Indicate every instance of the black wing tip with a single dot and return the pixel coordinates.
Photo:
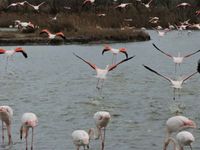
(198, 66)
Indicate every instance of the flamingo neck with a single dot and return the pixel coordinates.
(93, 134)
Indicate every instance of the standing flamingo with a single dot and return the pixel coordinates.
(29, 120)
(6, 114)
(10, 53)
(176, 59)
(114, 51)
(102, 119)
(81, 138)
(101, 73)
(176, 84)
(175, 124)
(183, 138)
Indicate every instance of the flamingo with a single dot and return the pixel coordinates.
(36, 7)
(147, 5)
(102, 119)
(176, 59)
(29, 120)
(197, 12)
(175, 124)
(88, 2)
(176, 84)
(6, 114)
(24, 25)
(101, 73)
(114, 51)
(183, 138)
(81, 138)
(17, 4)
(53, 36)
(10, 53)
(183, 5)
(123, 5)
(161, 32)
(154, 20)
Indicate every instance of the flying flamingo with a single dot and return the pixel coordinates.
(176, 84)
(101, 73)
(81, 138)
(123, 5)
(102, 119)
(183, 138)
(183, 5)
(175, 124)
(88, 2)
(36, 7)
(114, 51)
(29, 120)
(176, 59)
(10, 53)
(53, 36)
(6, 114)
(147, 5)
(17, 4)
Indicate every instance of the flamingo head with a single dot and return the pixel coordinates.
(189, 124)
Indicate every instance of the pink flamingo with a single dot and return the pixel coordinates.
(114, 51)
(183, 138)
(81, 138)
(36, 7)
(176, 84)
(176, 59)
(183, 5)
(17, 4)
(123, 5)
(29, 120)
(101, 73)
(51, 35)
(6, 114)
(175, 124)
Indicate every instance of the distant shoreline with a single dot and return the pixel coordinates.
(11, 38)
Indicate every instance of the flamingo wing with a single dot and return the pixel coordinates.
(41, 4)
(61, 35)
(190, 76)
(45, 31)
(191, 54)
(2, 51)
(162, 51)
(115, 65)
(106, 48)
(157, 73)
(91, 65)
(20, 50)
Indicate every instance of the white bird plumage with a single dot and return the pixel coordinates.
(6, 114)
(29, 120)
(80, 138)
(176, 124)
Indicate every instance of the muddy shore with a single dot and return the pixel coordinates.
(18, 38)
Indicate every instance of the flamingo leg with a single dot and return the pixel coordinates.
(174, 94)
(32, 140)
(97, 86)
(9, 134)
(6, 64)
(103, 140)
(26, 137)
(2, 132)
(101, 86)
(166, 144)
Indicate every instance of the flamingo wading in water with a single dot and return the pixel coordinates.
(175, 124)
(102, 119)
(81, 138)
(114, 51)
(101, 73)
(29, 120)
(176, 84)
(176, 59)
(6, 114)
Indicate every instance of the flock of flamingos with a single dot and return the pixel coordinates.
(176, 124)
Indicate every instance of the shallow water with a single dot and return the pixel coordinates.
(60, 90)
